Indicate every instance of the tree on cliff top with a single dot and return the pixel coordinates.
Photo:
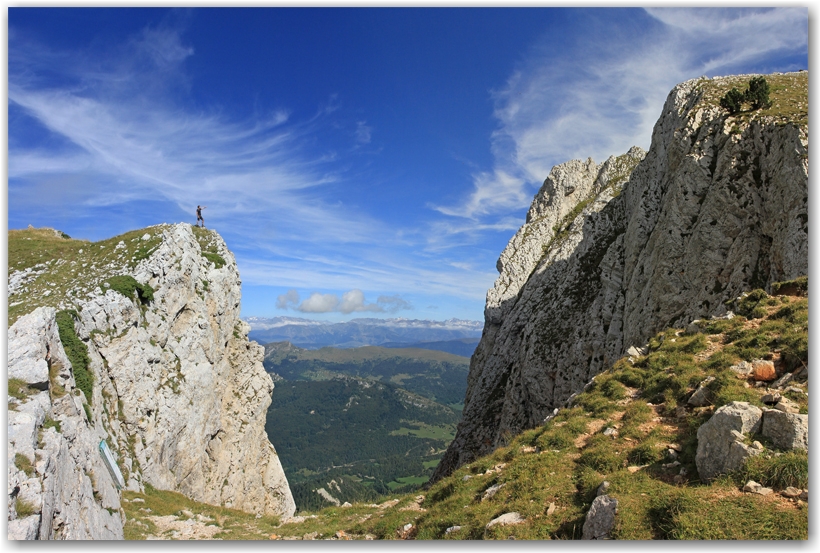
(757, 95)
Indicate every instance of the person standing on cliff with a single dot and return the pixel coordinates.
(199, 215)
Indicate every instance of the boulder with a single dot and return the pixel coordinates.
(787, 406)
(506, 519)
(753, 487)
(763, 371)
(720, 439)
(791, 492)
(771, 399)
(600, 519)
(28, 347)
(744, 368)
(491, 491)
(783, 380)
(786, 430)
(703, 395)
(635, 351)
(693, 327)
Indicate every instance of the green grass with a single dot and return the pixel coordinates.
(19, 389)
(24, 508)
(570, 461)
(788, 95)
(233, 524)
(407, 480)
(77, 353)
(776, 471)
(70, 269)
(214, 258)
(24, 463)
(51, 423)
(130, 288)
(436, 432)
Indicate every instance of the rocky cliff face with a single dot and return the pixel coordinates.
(611, 254)
(180, 394)
(58, 486)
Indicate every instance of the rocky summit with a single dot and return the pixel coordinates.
(610, 254)
(136, 355)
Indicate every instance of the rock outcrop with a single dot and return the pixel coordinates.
(611, 254)
(722, 446)
(600, 519)
(58, 486)
(180, 394)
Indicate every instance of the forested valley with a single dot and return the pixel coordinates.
(356, 424)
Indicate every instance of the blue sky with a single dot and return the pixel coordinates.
(358, 162)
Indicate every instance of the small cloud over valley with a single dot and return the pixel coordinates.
(352, 301)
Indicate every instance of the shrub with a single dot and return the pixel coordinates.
(214, 258)
(77, 352)
(732, 101)
(758, 93)
(128, 285)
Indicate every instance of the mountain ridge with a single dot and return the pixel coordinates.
(613, 253)
(359, 332)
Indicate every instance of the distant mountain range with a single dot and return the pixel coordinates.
(399, 332)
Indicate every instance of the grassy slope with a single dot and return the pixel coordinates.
(70, 269)
(788, 93)
(562, 463)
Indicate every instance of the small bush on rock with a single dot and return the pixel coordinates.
(128, 285)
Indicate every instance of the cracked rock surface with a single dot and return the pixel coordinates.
(610, 254)
(180, 395)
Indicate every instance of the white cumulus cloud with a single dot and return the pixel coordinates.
(352, 301)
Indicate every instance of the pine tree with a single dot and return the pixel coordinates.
(758, 93)
(732, 101)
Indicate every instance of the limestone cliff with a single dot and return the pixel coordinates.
(611, 254)
(179, 393)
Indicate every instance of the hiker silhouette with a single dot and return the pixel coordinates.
(199, 215)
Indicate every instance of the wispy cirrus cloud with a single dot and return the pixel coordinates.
(132, 141)
(601, 93)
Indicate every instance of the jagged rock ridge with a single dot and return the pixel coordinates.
(180, 394)
(611, 254)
